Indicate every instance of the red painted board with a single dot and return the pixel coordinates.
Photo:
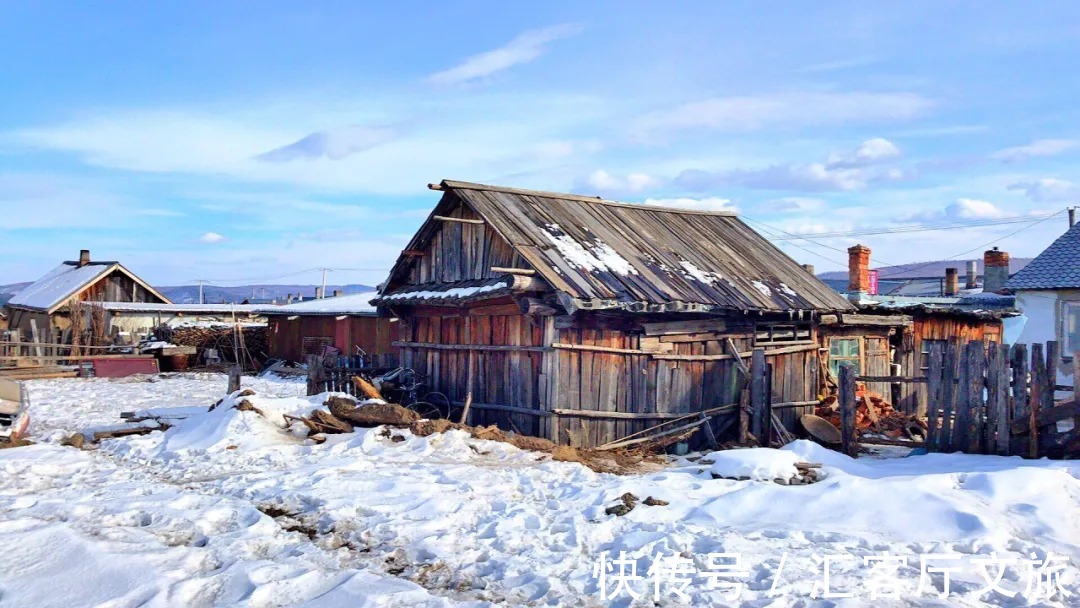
(122, 368)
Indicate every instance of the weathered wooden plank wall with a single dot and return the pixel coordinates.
(373, 334)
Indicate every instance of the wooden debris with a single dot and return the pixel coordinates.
(627, 502)
(366, 388)
(655, 502)
(372, 414)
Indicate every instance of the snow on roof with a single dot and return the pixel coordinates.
(355, 304)
(60, 285)
(185, 308)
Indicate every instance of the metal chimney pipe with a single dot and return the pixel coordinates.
(952, 281)
(972, 275)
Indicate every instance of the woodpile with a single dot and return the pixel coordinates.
(875, 416)
(251, 342)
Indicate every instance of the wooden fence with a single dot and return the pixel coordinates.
(986, 398)
(334, 374)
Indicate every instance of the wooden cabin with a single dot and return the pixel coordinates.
(583, 320)
(348, 325)
(45, 305)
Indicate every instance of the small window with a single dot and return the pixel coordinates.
(924, 352)
(1070, 327)
(842, 351)
(779, 333)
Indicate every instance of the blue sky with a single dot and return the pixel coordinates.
(243, 142)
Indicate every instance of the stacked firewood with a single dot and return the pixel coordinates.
(875, 416)
(251, 341)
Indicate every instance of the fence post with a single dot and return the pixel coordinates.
(1019, 363)
(234, 379)
(993, 395)
(1076, 376)
(977, 363)
(961, 428)
(1038, 394)
(933, 396)
(948, 395)
(316, 376)
(848, 441)
(758, 379)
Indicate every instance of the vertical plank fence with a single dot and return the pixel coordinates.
(988, 398)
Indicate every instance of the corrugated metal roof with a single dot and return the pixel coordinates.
(184, 308)
(1058, 267)
(620, 255)
(354, 304)
(60, 284)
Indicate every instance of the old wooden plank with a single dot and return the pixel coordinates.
(684, 327)
(950, 367)
(849, 441)
(1020, 396)
(598, 348)
(1039, 389)
(961, 431)
(758, 395)
(463, 347)
(897, 379)
(934, 396)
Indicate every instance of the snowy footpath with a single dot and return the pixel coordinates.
(233, 508)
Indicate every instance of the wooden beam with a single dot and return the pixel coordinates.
(899, 379)
(536, 307)
(528, 272)
(684, 327)
(504, 408)
(462, 220)
(527, 283)
(848, 438)
(487, 347)
(598, 349)
(413, 253)
(876, 320)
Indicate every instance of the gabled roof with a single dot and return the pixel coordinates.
(606, 254)
(355, 304)
(1058, 267)
(67, 280)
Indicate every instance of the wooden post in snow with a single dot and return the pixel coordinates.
(933, 397)
(848, 441)
(758, 399)
(234, 379)
(315, 375)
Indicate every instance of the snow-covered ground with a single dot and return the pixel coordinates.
(229, 508)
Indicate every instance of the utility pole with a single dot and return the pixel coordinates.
(201, 281)
(322, 294)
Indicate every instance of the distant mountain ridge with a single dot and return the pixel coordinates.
(214, 294)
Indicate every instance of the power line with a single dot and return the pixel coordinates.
(922, 228)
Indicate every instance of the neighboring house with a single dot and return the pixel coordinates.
(139, 318)
(1048, 293)
(583, 320)
(344, 323)
(46, 302)
(929, 279)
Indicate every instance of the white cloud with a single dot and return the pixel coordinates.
(211, 238)
(793, 204)
(790, 110)
(846, 171)
(962, 209)
(334, 144)
(526, 47)
(633, 182)
(1040, 147)
(1049, 190)
(712, 203)
(871, 151)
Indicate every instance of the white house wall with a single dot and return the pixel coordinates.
(1043, 311)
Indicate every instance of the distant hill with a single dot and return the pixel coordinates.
(213, 294)
(925, 270)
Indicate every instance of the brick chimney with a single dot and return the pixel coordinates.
(808, 268)
(952, 281)
(995, 270)
(858, 272)
(338, 293)
(972, 275)
(84, 257)
(318, 293)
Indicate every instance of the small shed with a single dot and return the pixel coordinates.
(45, 304)
(139, 318)
(349, 324)
(583, 320)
